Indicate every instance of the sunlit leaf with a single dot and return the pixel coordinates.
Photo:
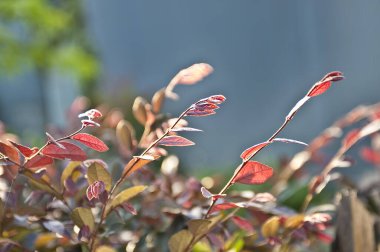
(324, 84)
(180, 241)
(196, 112)
(319, 88)
(148, 157)
(71, 152)
(185, 129)
(251, 151)
(139, 111)
(133, 165)
(370, 128)
(270, 227)
(175, 141)
(38, 161)
(158, 100)
(124, 196)
(194, 73)
(286, 140)
(97, 172)
(24, 150)
(10, 152)
(296, 107)
(351, 138)
(91, 141)
(83, 216)
(125, 134)
(253, 172)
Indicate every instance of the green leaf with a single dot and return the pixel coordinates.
(42, 184)
(97, 172)
(180, 242)
(124, 196)
(201, 246)
(199, 227)
(83, 216)
(68, 171)
(235, 243)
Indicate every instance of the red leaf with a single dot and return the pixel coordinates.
(251, 151)
(351, 138)
(223, 206)
(319, 88)
(216, 99)
(71, 152)
(175, 141)
(24, 150)
(205, 106)
(242, 223)
(196, 112)
(129, 208)
(91, 141)
(333, 76)
(9, 152)
(324, 237)
(253, 173)
(38, 161)
(370, 155)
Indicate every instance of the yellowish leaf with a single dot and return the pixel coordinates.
(67, 172)
(180, 242)
(294, 222)
(83, 216)
(124, 196)
(97, 172)
(271, 226)
(104, 248)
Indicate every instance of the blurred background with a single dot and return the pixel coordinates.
(266, 55)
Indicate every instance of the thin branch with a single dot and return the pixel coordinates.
(123, 177)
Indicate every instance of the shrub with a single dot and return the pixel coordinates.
(60, 200)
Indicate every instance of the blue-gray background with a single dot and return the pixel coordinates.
(266, 55)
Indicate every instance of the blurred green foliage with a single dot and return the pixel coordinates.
(46, 35)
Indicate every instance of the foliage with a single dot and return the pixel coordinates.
(57, 197)
(45, 34)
